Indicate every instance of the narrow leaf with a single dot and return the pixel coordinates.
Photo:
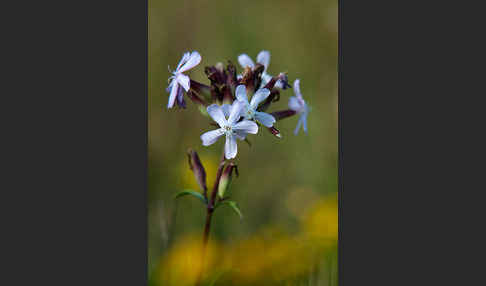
(192, 193)
(233, 205)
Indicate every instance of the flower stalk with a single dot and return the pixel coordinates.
(209, 215)
(237, 103)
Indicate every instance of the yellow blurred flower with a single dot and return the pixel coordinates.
(181, 265)
(270, 256)
(320, 223)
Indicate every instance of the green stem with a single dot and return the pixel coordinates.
(207, 229)
(209, 215)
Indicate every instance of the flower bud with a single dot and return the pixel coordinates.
(274, 131)
(197, 168)
(196, 99)
(246, 77)
(231, 80)
(258, 70)
(227, 95)
(251, 78)
(283, 114)
(225, 179)
(215, 75)
(284, 80)
(271, 83)
(219, 66)
(201, 90)
(257, 76)
(216, 95)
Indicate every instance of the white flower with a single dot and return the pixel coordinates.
(264, 59)
(249, 111)
(178, 80)
(298, 104)
(229, 127)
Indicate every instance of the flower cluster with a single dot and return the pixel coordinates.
(226, 101)
(238, 103)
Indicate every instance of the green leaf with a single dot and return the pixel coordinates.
(233, 205)
(192, 193)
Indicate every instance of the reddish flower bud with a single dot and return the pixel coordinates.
(196, 99)
(197, 168)
(227, 95)
(281, 79)
(220, 67)
(252, 77)
(283, 114)
(257, 76)
(274, 131)
(271, 83)
(215, 75)
(202, 90)
(247, 78)
(231, 79)
(216, 95)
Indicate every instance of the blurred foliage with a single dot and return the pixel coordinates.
(287, 188)
(268, 257)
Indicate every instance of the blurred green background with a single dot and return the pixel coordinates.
(287, 188)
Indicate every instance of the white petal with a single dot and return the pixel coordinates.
(169, 88)
(264, 59)
(216, 112)
(258, 97)
(279, 84)
(245, 61)
(265, 118)
(235, 112)
(246, 126)
(184, 59)
(297, 88)
(240, 135)
(304, 119)
(226, 109)
(173, 94)
(210, 137)
(294, 103)
(194, 60)
(298, 126)
(184, 81)
(239, 76)
(230, 147)
(265, 79)
(240, 93)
